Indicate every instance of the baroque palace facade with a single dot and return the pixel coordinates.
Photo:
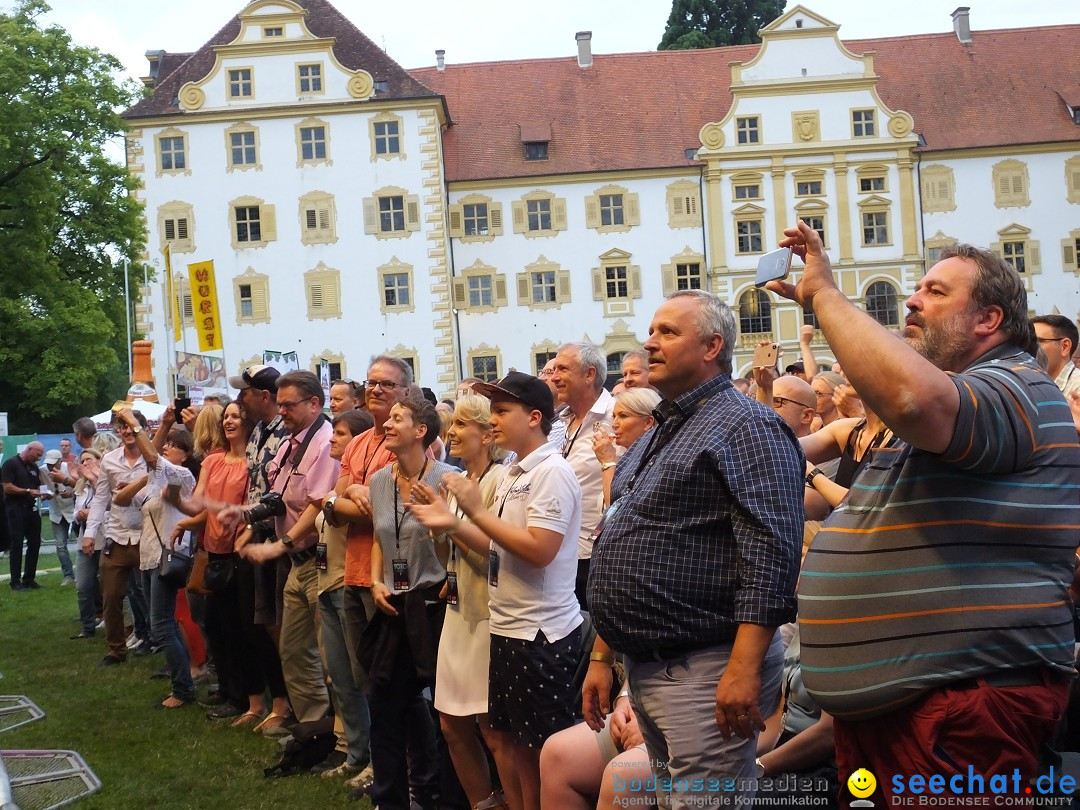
(472, 217)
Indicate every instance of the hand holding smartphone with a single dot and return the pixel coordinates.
(766, 355)
(773, 266)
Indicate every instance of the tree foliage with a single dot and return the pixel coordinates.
(67, 222)
(712, 23)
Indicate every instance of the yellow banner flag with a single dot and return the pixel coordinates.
(204, 305)
(174, 294)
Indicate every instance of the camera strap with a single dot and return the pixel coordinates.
(298, 455)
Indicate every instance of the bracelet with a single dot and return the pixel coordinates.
(375, 582)
(607, 465)
(603, 657)
(810, 476)
(624, 693)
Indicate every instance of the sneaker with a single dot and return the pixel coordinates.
(67, 581)
(361, 782)
(224, 712)
(110, 661)
(342, 771)
(212, 700)
(333, 760)
(132, 641)
(100, 625)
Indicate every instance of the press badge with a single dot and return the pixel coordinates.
(451, 588)
(320, 556)
(493, 568)
(401, 574)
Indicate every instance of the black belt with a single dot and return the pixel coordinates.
(301, 557)
(662, 654)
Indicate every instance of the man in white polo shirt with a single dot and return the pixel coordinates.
(530, 535)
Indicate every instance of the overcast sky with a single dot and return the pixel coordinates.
(486, 30)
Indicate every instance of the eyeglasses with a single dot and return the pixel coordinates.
(353, 384)
(288, 406)
(545, 373)
(778, 402)
(385, 385)
(1049, 340)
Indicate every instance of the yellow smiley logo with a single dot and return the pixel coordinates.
(861, 783)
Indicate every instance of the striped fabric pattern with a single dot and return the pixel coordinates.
(944, 567)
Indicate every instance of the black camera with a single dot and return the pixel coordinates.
(270, 505)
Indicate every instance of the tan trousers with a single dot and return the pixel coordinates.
(301, 663)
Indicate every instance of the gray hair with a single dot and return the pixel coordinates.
(396, 362)
(831, 378)
(640, 354)
(641, 401)
(84, 426)
(714, 318)
(590, 356)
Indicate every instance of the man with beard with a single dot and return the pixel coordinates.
(936, 625)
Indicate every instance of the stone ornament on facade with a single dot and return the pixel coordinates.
(191, 97)
(805, 126)
(901, 124)
(361, 85)
(712, 136)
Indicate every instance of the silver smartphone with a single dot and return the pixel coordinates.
(773, 266)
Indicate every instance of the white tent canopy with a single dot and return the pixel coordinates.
(151, 410)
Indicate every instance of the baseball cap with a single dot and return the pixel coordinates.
(52, 456)
(263, 378)
(529, 390)
(796, 366)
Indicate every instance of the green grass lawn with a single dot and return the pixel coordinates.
(146, 757)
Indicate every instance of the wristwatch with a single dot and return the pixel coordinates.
(607, 465)
(328, 510)
(759, 768)
(286, 541)
(135, 431)
(810, 476)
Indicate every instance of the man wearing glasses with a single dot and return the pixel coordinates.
(1057, 336)
(302, 473)
(346, 395)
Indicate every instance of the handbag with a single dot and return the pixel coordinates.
(197, 580)
(175, 566)
(219, 573)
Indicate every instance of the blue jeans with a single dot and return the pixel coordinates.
(675, 705)
(61, 532)
(86, 589)
(166, 633)
(351, 702)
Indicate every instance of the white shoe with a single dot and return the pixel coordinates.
(132, 641)
(362, 779)
(67, 581)
(100, 625)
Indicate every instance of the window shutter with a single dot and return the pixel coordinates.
(181, 228)
(634, 282)
(599, 287)
(524, 291)
(1075, 177)
(558, 215)
(170, 229)
(691, 204)
(311, 221)
(592, 211)
(268, 222)
(315, 294)
(1017, 184)
(518, 208)
(633, 212)
(331, 304)
(1033, 257)
(562, 280)
(495, 226)
(412, 212)
(457, 229)
(188, 309)
(371, 216)
(667, 279)
(258, 302)
(499, 299)
(324, 217)
(1003, 185)
(1068, 254)
(461, 293)
(677, 207)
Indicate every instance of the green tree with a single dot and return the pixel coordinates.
(712, 23)
(67, 222)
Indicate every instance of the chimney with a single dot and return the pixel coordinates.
(440, 59)
(961, 23)
(584, 48)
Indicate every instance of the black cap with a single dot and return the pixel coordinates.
(796, 366)
(529, 390)
(264, 378)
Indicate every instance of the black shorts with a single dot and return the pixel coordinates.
(531, 689)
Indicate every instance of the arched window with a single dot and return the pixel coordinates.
(755, 312)
(882, 303)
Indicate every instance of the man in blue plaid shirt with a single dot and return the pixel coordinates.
(697, 562)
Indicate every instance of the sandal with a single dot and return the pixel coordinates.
(272, 725)
(247, 719)
(173, 702)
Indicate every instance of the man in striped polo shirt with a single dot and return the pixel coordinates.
(936, 626)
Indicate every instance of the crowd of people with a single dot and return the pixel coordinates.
(721, 584)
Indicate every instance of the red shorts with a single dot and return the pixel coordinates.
(993, 729)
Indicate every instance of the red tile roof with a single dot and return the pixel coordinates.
(643, 110)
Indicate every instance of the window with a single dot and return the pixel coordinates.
(755, 313)
(685, 272)
(317, 214)
(276, 31)
(747, 191)
(808, 188)
(395, 287)
(544, 284)
(1010, 184)
(313, 142)
(883, 303)
(241, 84)
(536, 150)
(935, 245)
(938, 189)
(616, 282)
(475, 218)
(1013, 252)
(323, 286)
(251, 293)
(541, 359)
(1016, 246)
(171, 145)
(385, 131)
(875, 228)
(253, 223)
(611, 209)
(862, 123)
(817, 223)
(479, 289)
(810, 319)
(539, 213)
(176, 227)
(392, 213)
(183, 303)
(683, 204)
(485, 367)
(242, 147)
(748, 236)
(748, 130)
(309, 79)
(872, 179)
(1070, 252)
(1072, 179)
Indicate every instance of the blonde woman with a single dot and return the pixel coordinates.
(89, 554)
(630, 418)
